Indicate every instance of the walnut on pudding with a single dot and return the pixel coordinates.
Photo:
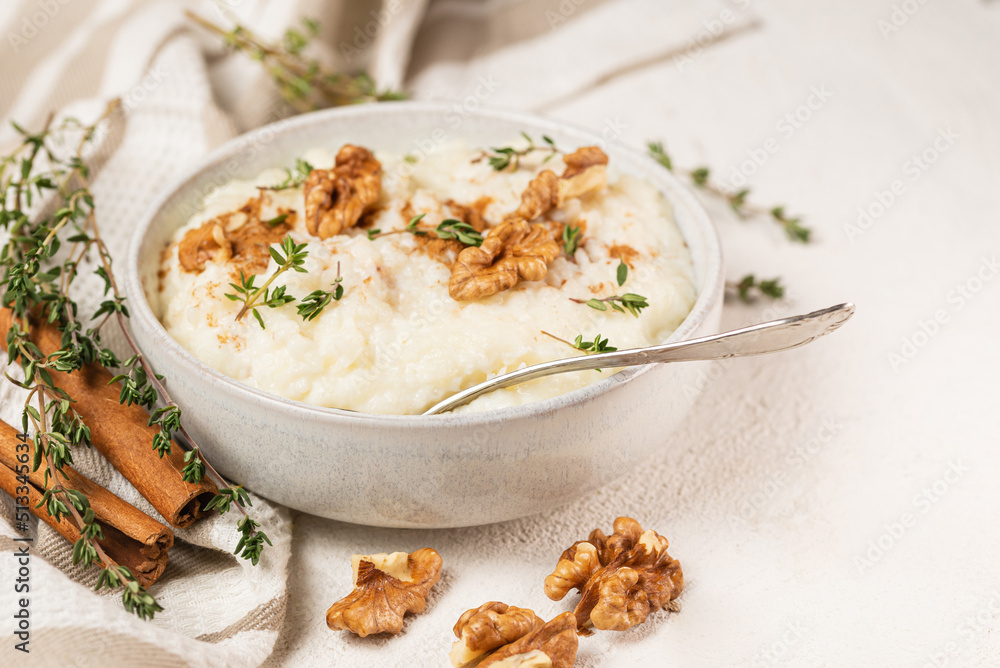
(585, 172)
(621, 578)
(512, 251)
(387, 586)
(335, 199)
(517, 249)
(203, 244)
(240, 237)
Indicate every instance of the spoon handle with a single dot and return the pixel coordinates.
(767, 337)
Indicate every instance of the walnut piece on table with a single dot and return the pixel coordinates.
(621, 578)
(335, 199)
(585, 172)
(387, 586)
(552, 645)
(512, 251)
(488, 627)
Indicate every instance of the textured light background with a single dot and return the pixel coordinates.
(833, 505)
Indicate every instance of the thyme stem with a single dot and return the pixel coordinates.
(305, 84)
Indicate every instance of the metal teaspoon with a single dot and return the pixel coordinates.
(767, 337)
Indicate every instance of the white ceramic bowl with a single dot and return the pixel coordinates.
(416, 471)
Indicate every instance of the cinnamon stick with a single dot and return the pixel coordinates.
(131, 538)
(122, 433)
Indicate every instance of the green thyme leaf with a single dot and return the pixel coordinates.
(571, 239)
(277, 220)
(500, 158)
(738, 200)
(293, 177)
(456, 229)
(749, 288)
(313, 304)
(658, 153)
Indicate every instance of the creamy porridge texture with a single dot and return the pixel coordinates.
(422, 317)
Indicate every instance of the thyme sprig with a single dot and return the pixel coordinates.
(737, 200)
(502, 158)
(598, 345)
(305, 83)
(36, 283)
(412, 227)
(628, 302)
(414, 222)
(313, 304)
(225, 498)
(571, 239)
(456, 229)
(293, 179)
(450, 228)
(135, 385)
(289, 256)
(136, 600)
(749, 288)
(251, 542)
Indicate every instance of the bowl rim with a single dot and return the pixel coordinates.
(142, 314)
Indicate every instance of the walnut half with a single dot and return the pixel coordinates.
(514, 250)
(387, 586)
(488, 627)
(552, 645)
(586, 172)
(511, 637)
(202, 244)
(237, 237)
(336, 198)
(621, 578)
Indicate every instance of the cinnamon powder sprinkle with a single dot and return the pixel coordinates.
(626, 254)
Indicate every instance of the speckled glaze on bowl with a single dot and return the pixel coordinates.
(416, 471)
